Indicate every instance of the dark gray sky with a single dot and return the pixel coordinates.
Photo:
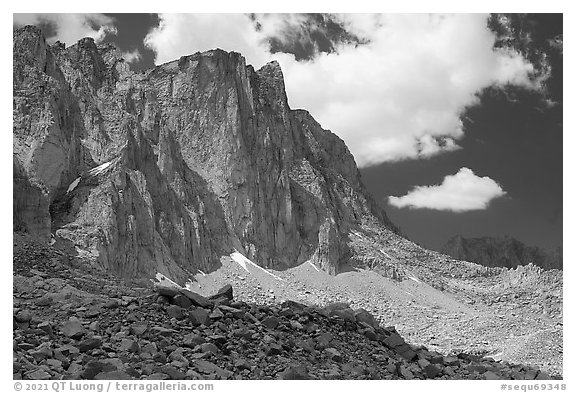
(519, 145)
(512, 135)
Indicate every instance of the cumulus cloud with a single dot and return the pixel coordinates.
(461, 192)
(132, 56)
(183, 34)
(398, 96)
(69, 28)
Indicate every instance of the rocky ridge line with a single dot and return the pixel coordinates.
(501, 252)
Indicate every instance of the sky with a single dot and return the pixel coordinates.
(454, 120)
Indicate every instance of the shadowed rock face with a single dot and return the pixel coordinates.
(169, 169)
(501, 252)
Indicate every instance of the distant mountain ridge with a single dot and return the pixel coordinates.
(501, 252)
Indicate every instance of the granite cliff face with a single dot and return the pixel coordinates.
(169, 169)
(501, 252)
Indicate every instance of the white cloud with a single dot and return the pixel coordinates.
(69, 28)
(133, 56)
(183, 34)
(461, 192)
(398, 97)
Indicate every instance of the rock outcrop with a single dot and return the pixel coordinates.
(169, 169)
(501, 252)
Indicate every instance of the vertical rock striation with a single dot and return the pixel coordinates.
(169, 169)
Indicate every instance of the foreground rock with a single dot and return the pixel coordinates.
(141, 337)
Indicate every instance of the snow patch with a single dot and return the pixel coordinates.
(73, 185)
(314, 266)
(414, 279)
(240, 259)
(160, 277)
(245, 262)
(99, 169)
(386, 254)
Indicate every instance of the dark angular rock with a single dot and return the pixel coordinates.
(271, 322)
(333, 354)
(38, 375)
(94, 368)
(542, 376)
(236, 312)
(364, 316)
(182, 301)
(23, 316)
(273, 349)
(150, 348)
(69, 350)
(111, 375)
(192, 340)
(409, 354)
(172, 372)
(298, 372)
(218, 338)
(226, 291)
(207, 367)
(307, 345)
(43, 351)
(112, 303)
(196, 299)
(393, 341)
(242, 364)
(167, 289)
(423, 363)
(73, 328)
(251, 318)
(89, 344)
(129, 345)
(346, 314)
(54, 364)
(46, 327)
(451, 361)
(476, 368)
(517, 375)
(491, 375)
(199, 316)
(324, 339)
(405, 373)
(138, 328)
(370, 334)
(209, 347)
(162, 331)
(175, 311)
(432, 371)
(216, 314)
(158, 377)
(436, 359)
(296, 325)
(244, 333)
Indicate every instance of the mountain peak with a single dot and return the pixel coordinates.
(208, 157)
